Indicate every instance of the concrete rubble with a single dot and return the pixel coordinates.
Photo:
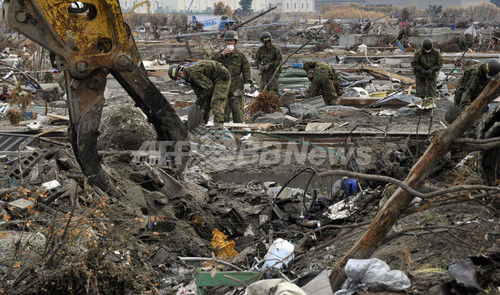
(255, 183)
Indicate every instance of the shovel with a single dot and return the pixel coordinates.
(194, 117)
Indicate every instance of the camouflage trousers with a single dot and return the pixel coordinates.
(235, 105)
(217, 101)
(322, 85)
(426, 86)
(265, 78)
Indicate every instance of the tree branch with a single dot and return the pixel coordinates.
(400, 199)
(404, 186)
(470, 144)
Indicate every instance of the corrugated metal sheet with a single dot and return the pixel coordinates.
(11, 141)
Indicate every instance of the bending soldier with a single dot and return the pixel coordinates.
(324, 81)
(268, 58)
(210, 81)
(237, 64)
(471, 84)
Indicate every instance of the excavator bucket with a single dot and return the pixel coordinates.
(90, 39)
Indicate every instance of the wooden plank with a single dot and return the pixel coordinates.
(57, 117)
(387, 74)
(317, 127)
(359, 101)
(158, 72)
(182, 104)
(253, 126)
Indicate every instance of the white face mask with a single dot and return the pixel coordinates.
(428, 50)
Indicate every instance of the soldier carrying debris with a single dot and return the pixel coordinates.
(268, 58)
(426, 64)
(237, 63)
(210, 81)
(324, 81)
(471, 84)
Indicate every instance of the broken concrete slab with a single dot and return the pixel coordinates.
(137, 196)
(289, 121)
(20, 206)
(65, 163)
(161, 257)
(273, 118)
(12, 241)
(287, 192)
(157, 197)
(405, 112)
(303, 111)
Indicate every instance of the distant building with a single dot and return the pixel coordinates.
(421, 4)
(182, 6)
(293, 5)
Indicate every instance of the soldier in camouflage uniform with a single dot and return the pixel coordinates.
(268, 58)
(237, 64)
(210, 81)
(474, 80)
(426, 64)
(324, 81)
(470, 85)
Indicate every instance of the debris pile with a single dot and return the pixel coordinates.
(374, 194)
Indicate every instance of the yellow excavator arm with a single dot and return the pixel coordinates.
(140, 4)
(90, 40)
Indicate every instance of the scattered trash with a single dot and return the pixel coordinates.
(373, 274)
(224, 249)
(279, 254)
(274, 287)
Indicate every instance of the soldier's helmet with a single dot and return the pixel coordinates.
(307, 65)
(427, 45)
(173, 71)
(231, 35)
(265, 37)
(493, 67)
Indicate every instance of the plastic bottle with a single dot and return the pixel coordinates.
(278, 251)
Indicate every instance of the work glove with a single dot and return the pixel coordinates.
(246, 87)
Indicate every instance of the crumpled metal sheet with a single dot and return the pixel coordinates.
(399, 96)
(12, 141)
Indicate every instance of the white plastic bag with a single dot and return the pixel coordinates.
(372, 275)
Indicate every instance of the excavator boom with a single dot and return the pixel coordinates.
(90, 40)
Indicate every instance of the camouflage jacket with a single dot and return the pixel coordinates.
(203, 74)
(471, 84)
(314, 68)
(271, 55)
(238, 66)
(423, 61)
